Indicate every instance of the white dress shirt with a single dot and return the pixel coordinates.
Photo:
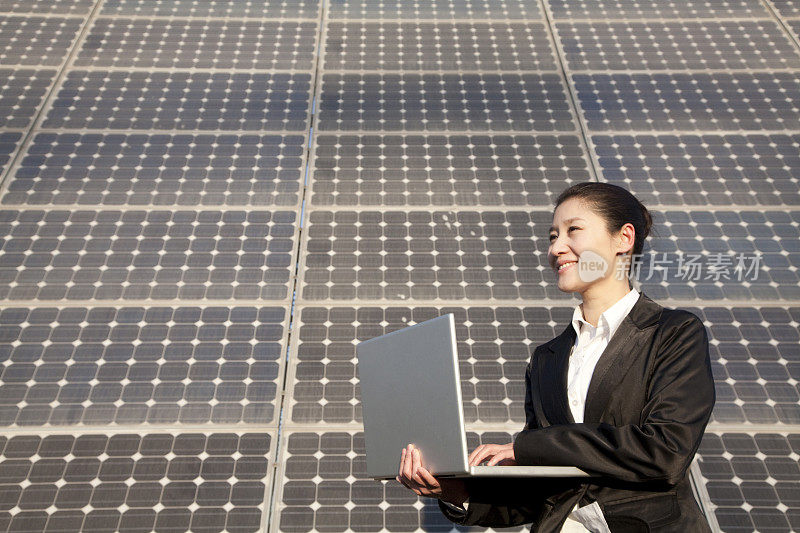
(590, 342)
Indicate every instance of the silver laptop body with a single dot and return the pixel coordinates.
(411, 393)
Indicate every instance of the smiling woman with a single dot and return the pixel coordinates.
(623, 393)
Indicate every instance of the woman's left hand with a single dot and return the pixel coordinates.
(497, 454)
(413, 476)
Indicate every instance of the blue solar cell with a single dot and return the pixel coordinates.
(66, 7)
(219, 8)
(433, 102)
(700, 170)
(146, 255)
(435, 9)
(389, 45)
(632, 9)
(650, 45)
(94, 481)
(47, 39)
(723, 101)
(200, 43)
(750, 481)
(100, 169)
(22, 93)
(181, 100)
(414, 170)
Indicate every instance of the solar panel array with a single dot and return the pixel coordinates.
(204, 206)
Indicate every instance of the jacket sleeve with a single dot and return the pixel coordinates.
(503, 502)
(495, 514)
(680, 398)
(530, 414)
(506, 502)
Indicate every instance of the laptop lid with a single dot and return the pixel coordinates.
(410, 393)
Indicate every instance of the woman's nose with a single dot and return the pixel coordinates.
(557, 246)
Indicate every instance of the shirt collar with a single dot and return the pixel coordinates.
(611, 318)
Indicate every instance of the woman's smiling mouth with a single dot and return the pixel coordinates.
(565, 266)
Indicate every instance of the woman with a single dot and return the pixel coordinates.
(624, 393)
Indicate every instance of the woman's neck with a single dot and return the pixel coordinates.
(597, 299)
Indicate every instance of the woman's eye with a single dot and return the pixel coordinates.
(570, 229)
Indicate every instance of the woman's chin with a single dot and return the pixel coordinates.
(567, 286)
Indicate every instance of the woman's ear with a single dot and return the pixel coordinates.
(626, 238)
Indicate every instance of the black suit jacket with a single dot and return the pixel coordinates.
(648, 404)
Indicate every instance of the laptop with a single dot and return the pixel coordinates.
(411, 393)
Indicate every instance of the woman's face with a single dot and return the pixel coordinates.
(582, 252)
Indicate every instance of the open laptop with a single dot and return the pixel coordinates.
(411, 393)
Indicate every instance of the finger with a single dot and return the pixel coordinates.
(474, 453)
(407, 465)
(417, 460)
(485, 453)
(477, 456)
(404, 482)
(486, 450)
(497, 458)
(402, 462)
(410, 485)
(402, 469)
(431, 482)
(418, 477)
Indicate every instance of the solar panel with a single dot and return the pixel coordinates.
(70, 7)
(494, 345)
(181, 101)
(21, 93)
(676, 45)
(631, 9)
(754, 354)
(322, 485)
(444, 102)
(695, 170)
(458, 46)
(751, 479)
(144, 169)
(109, 255)
(207, 204)
(158, 43)
(755, 361)
(691, 102)
(371, 255)
(130, 481)
(9, 141)
(454, 170)
(135, 365)
(491, 254)
(218, 8)
(439, 9)
(787, 8)
(47, 39)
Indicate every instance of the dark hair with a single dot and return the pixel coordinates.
(615, 205)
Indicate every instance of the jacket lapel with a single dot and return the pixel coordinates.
(628, 340)
(553, 372)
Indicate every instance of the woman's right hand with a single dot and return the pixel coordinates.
(416, 478)
(494, 454)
